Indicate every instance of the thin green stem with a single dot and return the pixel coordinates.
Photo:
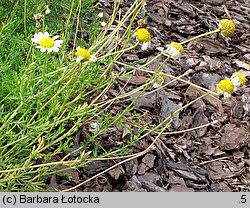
(12, 115)
(171, 76)
(24, 18)
(157, 73)
(200, 36)
(121, 51)
(44, 70)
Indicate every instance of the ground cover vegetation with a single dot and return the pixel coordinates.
(71, 93)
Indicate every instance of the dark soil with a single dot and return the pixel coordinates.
(210, 159)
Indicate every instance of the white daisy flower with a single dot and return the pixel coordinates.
(143, 36)
(175, 50)
(47, 43)
(84, 54)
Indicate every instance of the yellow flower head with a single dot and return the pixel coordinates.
(238, 79)
(225, 87)
(84, 54)
(175, 50)
(227, 27)
(177, 46)
(143, 35)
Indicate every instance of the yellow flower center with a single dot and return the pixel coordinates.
(143, 35)
(226, 86)
(177, 46)
(227, 27)
(85, 54)
(46, 42)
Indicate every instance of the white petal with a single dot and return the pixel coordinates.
(46, 35)
(55, 37)
(78, 47)
(55, 49)
(226, 95)
(47, 11)
(50, 49)
(37, 37)
(219, 91)
(79, 58)
(92, 58)
(236, 81)
(156, 85)
(160, 48)
(58, 42)
(103, 24)
(100, 14)
(42, 49)
(145, 46)
(175, 54)
(35, 40)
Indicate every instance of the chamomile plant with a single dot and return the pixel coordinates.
(143, 36)
(46, 43)
(84, 55)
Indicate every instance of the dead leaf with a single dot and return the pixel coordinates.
(246, 102)
(204, 79)
(151, 187)
(149, 160)
(234, 138)
(213, 64)
(166, 107)
(217, 170)
(237, 109)
(116, 172)
(72, 172)
(242, 64)
(220, 187)
(199, 119)
(174, 180)
(187, 171)
(147, 101)
(142, 168)
(136, 80)
(235, 121)
(210, 46)
(194, 92)
(53, 182)
(238, 155)
(181, 188)
(131, 167)
(126, 134)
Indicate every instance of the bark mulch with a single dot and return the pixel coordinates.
(210, 159)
